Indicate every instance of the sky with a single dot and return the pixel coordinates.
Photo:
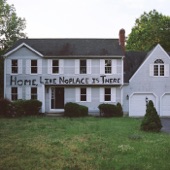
(83, 18)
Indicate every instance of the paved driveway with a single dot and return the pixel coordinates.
(165, 124)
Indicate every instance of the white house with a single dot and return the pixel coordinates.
(146, 78)
(57, 71)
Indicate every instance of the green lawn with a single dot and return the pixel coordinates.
(45, 143)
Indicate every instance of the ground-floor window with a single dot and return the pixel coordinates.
(83, 94)
(33, 92)
(107, 94)
(14, 93)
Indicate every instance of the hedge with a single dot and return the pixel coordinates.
(75, 110)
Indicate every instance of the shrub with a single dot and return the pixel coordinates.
(7, 108)
(151, 121)
(32, 107)
(19, 107)
(110, 110)
(75, 110)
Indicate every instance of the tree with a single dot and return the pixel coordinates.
(150, 29)
(11, 29)
(151, 121)
(11, 26)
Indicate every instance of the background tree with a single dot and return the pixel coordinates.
(11, 29)
(150, 29)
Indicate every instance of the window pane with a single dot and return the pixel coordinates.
(33, 93)
(14, 93)
(55, 66)
(107, 96)
(155, 70)
(108, 66)
(55, 63)
(14, 66)
(161, 70)
(33, 66)
(83, 66)
(83, 94)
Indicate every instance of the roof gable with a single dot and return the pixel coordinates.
(20, 46)
(145, 59)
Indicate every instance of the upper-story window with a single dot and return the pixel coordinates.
(108, 66)
(14, 64)
(34, 68)
(159, 68)
(83, 66)
(55, 66)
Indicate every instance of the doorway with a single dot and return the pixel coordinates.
(57, 98)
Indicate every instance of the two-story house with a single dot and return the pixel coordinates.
(57, 71)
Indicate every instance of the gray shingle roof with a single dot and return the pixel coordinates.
(66, 47)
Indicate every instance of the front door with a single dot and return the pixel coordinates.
(57, 98)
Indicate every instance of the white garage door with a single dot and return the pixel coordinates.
(165, 105)
(137, 103)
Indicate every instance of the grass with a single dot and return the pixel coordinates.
(90, 143)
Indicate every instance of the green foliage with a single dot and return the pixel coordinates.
(110, 110)
(11, 26)
(150, 29)
(1, 77)
(75, 110)
(151, 121)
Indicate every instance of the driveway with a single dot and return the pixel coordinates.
(165, 124)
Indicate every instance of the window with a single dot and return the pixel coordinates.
(83, 66)
(107, 94)
(158, 68)
(33, 92)
(108, 66)
(83, 96)
(55, 66)
(34, 66)
(14, 93)
(14, 66)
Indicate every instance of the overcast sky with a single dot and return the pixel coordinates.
(83, 18)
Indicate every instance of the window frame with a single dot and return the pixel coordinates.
(108, 66)
(159, 68)
(106, 94)
(83, 66)
(83, 94)
(34, 94)
(13, 66)
(14, 93)
(34, 68)
(57, 67)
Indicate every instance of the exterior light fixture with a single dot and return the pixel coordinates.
(127, 97)
(146, 100)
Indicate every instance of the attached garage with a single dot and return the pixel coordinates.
(165, 105)
(137, 103)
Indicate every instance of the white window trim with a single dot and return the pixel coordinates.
(166, 70)
(88, 94)
(113, 95)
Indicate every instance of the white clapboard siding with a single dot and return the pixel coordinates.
(102, 66)
(166, 70)
(89, 94)
(113, 94)
(49, 67)
(28, 66)
(114, 66)
(77, 66)
(20, 66)
(61, 66)
(8, 66)
(101, 94)
(89, 66)
(28, 93)
(40, 66)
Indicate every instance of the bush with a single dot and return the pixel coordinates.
(32, 107)
(7, 108)
(19, 107)
(75, 110)
(110, 110)
(151, 121)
